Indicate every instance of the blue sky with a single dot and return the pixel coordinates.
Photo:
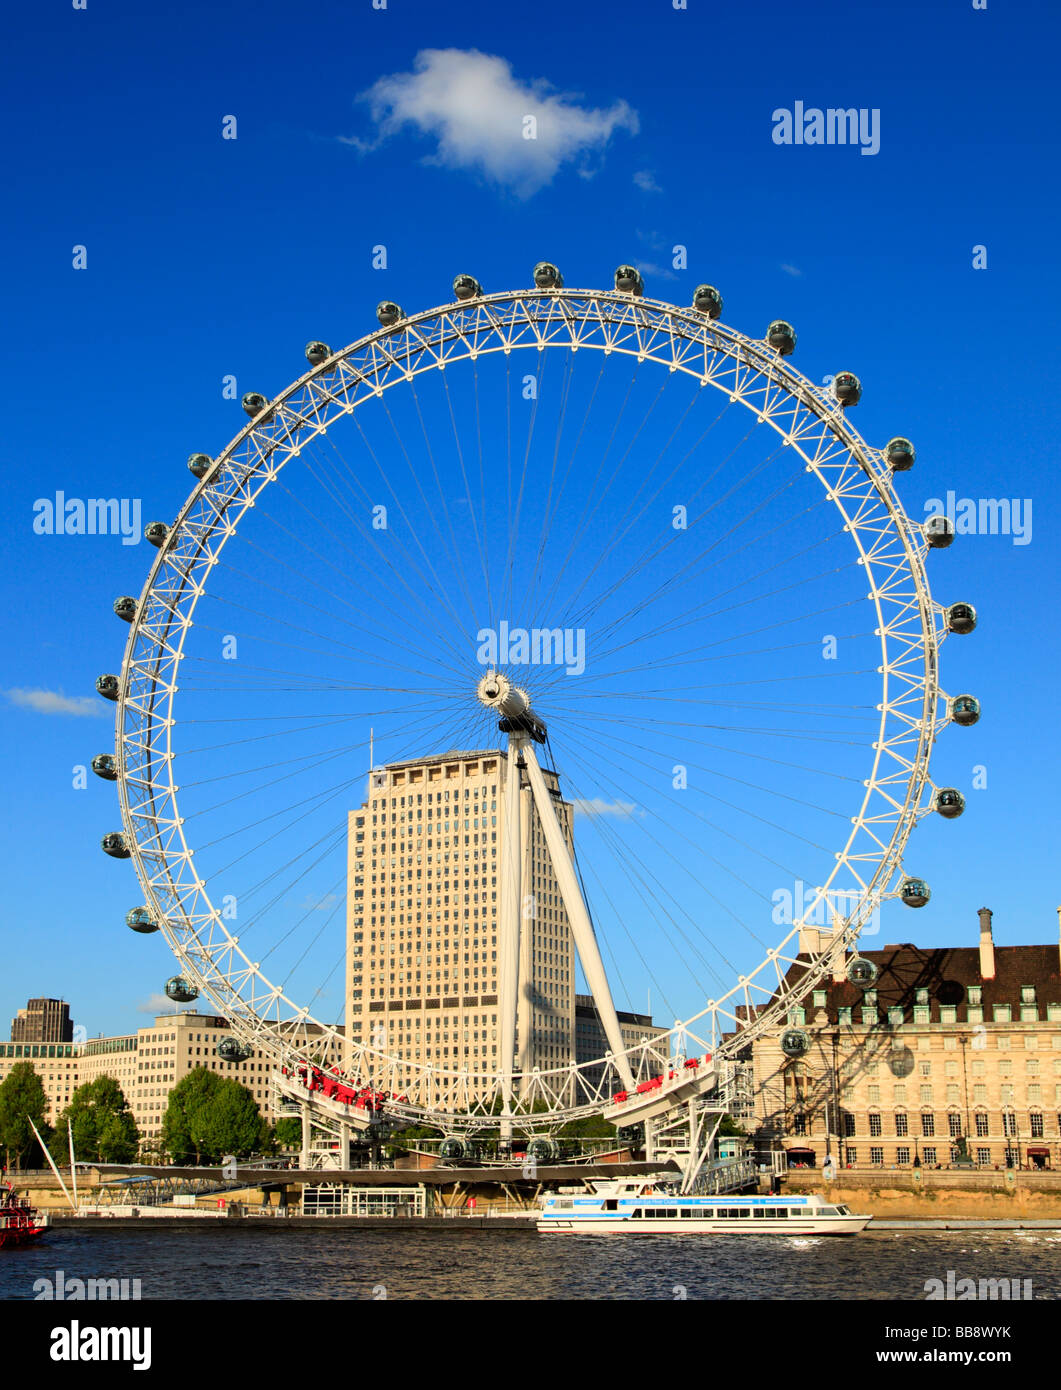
(208, 257)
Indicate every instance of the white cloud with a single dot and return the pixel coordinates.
(477, 111)
(595, 806)
(155, 1004)
(55, 702)
(792, 270)
(646, 181)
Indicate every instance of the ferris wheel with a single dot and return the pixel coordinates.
(636, 554)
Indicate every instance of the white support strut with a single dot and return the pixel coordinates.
(581, 926)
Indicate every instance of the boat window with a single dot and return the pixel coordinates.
(781, 1213)
(689, 1214)
(637, 1213)
(760, 1211)
(843, 1211)
(611, 1204)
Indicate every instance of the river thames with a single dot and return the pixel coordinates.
(268, 1262)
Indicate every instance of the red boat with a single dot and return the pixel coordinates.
(19, 1222)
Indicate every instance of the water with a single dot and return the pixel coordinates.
(267, 1262)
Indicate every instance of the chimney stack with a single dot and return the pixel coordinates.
(987, 945)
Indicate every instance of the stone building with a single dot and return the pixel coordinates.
(945, 1045)
(422, 920)
(43, 1020)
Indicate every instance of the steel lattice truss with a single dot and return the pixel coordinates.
(854, 477)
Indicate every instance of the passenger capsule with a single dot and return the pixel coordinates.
(861, 972)
(466, 287)
(794, 1042)
(965, 710)
(199, 464)
(157, 533)
(547, 276)
(316, 353)
(543, 1150)
(960, 617)
(451, 1150)
(109, 687)
(949, 803)
(707, 300)
(782, 337)
(181, 990)
(254, 403)
(914, 892)
(628, 280)
(234, 1050)
(388, 312)
(847, 389)
(125, 608)
(114, 844)
(939, 531)
(106, 766)
(139, 919)
(899, 454)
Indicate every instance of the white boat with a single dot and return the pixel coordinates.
(645, 1208)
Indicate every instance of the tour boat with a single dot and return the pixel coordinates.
(19, 1222)
(649, 1209)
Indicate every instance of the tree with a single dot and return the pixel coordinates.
(103, 1126)
(209, 1117)
(22, 1099)
(287, 1133)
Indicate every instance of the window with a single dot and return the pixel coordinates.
(922, 1013)
(820, 998)
(1009, 1123)
(1037, 1125)
(1012, 1158)
(876, 1156)
(928, 1126)
(799, 1124)
(852, 1154)
(974, 994)
(1003, 1014)
(844, 1015)
(921, 996)
(948, 1014)
(902, 1125)
(982, 1127)
(1027, 994)
(849, 1124)
(929, 1156)
(902, 1155)
(954, 1124)
(896, 1017)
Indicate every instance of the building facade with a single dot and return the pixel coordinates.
(591, 1043)
(146, 1064)
(43, 1020)
(945, 1046)
(422, 920)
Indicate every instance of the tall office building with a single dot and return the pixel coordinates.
(422, 921)
(43, 1020)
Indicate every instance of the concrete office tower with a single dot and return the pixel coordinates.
(423, 898)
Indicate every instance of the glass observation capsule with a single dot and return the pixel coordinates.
(949, 802)
(707, 300)
(914, 892)
(543, 1150)
(108, 686)
(847, 388)
(114, 845)
(628, 280)
(156, 532)
(105, 765)
(199, 464)
(180, 990)
(466, 287)
(388, 312)
(782, 337)
(233, 1050)
(794, 1042)
(254, 404)
(547, 276)
(451, 1149)
(899, 454)
(317, 352)
(139, 919)
(960, 617)
(965, 710)
(125, 608)
(939, 531)
(861, 972)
